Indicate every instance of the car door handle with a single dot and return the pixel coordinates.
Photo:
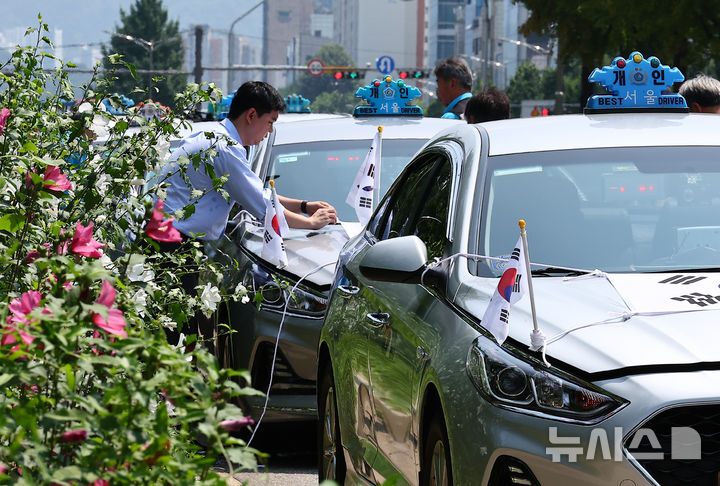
(348, 290)
(379, 319)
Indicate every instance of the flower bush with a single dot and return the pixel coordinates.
(90, 390)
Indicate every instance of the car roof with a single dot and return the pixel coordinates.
(565, 132)
(346, 127)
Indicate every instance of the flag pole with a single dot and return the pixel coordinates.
(523, 235)
(379, 149)
(537, 338)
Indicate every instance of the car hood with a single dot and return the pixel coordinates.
(306, 249)
(615, 321)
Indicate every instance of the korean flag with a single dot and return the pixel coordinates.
(367, 181)
(511, 288)
(275, 226)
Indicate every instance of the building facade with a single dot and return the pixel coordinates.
(373, 29)
(284, 22)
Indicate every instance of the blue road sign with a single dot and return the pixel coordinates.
(385, 64)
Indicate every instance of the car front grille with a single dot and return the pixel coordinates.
(676, 450)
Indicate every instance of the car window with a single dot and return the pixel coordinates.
(419, 204)
(325, 170)
(620, 209)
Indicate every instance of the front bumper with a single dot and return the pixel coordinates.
(636, 446)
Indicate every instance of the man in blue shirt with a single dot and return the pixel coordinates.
(454, 82)
(253, 111)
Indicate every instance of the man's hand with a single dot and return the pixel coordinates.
(313, 206)
(320, 216)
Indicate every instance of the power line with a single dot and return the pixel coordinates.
(64, 46)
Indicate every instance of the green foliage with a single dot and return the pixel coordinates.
(92, 393)
(436, 109)
(525, 85)
(681, 33)
(158, 46)
(335, 102)
(311, 87)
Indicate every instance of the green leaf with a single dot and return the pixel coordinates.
(4, 378)
(29, 147)
(69, 472)
(70, 376)
(12, 222)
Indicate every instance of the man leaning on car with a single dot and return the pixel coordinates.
(253, 111)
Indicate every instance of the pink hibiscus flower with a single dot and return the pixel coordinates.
(4, 115)
(83, 244)
(115, 323)
(160, 230)
(20, 308)
(74, 436)
(54, 180)
(237, 424)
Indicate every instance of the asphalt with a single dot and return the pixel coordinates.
(292, 457)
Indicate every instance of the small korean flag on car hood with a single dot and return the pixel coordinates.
(367, 181)
(275, 226)
(511, 288)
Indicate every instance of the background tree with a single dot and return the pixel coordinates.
(681, 33)
(158, 46)
(526, 84)
(340, 91)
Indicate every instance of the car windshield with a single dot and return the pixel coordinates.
(644, 209)
(324, 171)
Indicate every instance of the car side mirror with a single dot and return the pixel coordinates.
(401, 260)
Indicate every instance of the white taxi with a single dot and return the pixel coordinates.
(440, 361)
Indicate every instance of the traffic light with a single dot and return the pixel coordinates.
(419, 74)
(403, 74)
(346, 75)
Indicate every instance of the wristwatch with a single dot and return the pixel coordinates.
(303, 207)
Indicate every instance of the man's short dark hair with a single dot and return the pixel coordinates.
(255, 94)
(455, 68)
(702, 89)
(490, 104)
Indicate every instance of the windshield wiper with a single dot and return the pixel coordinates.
(557, 271)
(687, 270)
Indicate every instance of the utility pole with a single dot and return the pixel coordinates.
(198, 71)
(486, 72)
(232, 45)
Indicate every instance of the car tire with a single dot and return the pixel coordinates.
(331, 460)
(436, 467)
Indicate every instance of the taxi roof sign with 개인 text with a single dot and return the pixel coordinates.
(636, 84)
(296, 104)
(388, 98)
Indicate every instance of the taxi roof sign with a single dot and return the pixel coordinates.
(296, 103)
(388, 98)
(636, 84)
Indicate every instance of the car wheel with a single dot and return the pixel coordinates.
(331, 461)
(436, 466)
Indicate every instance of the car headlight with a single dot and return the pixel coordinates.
(511, 382)
(275, 295)
(276, 291)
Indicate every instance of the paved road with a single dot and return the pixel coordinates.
(293, 460)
